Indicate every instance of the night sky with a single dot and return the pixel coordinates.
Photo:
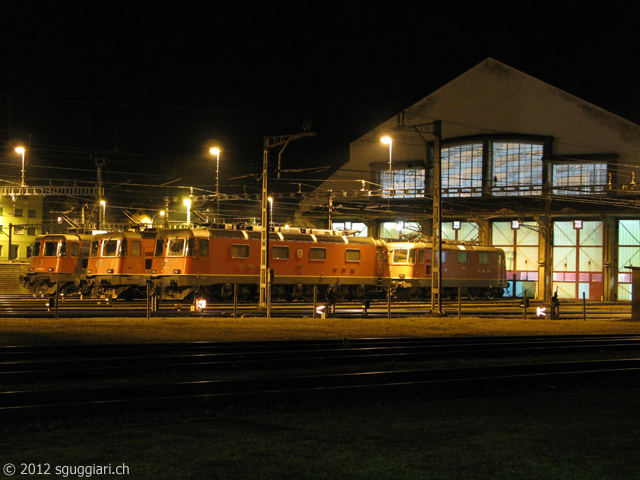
(150, 87)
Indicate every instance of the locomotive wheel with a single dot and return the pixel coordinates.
(490, 294)
(472, 294)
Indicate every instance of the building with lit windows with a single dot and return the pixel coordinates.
(20, 222)
(524, 166)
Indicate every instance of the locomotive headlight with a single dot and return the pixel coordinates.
(109, 270)
(31, 269)
(153, 272)
(176, 270)
(88, 271)
(50, 269)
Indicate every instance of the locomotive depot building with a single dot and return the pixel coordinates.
(526, 167)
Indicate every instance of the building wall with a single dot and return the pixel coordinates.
(495, 100)
(21, 222)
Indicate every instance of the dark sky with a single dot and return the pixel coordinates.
(149, 86)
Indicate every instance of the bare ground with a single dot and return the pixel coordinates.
(44, 331)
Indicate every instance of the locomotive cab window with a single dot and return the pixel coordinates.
(203, 247)
(484, 258)
(136, 248)
(176, 247)
(421, 256)
(63, 249)
(159, 247)
(191, 247)
(74, 249)
(35, 249)
(280, 252)
(463, 257)
(400, 255)
(110, 248)
(316, 253)
(404, 255)
(352, 255)
(95, 244)
(50, 249)
(239, 251)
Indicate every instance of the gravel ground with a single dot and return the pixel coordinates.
(43, 331)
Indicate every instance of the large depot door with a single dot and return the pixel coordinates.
(578, 249)
(520, 242)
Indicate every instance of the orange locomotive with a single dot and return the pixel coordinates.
(208, 262)
(476, 270)
(119, 264)
(58, 259)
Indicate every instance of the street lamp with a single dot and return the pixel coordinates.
(21, 150)
(270, 199)
(187, 202)
(161, 213)
(104, 214)
(216, 151)
(389, 141)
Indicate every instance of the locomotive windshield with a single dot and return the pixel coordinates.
(404, 255)
(50, 249)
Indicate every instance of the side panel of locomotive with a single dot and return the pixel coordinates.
(209, 261)
(57, 259)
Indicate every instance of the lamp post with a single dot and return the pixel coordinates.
(102, 221)
(22, 151)
(389, 141)
(187, 202)
(270, 199)
(216, 151)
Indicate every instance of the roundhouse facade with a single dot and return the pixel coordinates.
(525, 166)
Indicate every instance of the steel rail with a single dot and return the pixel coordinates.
(26, 364)
(343, 387)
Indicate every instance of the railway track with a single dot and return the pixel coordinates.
(28, 306)
(98, 380)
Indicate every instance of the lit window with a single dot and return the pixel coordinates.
(579, 178)
(517, 168)
(400, 255)
(461, 170)
(405, 183)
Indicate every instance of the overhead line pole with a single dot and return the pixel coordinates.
(434, 129)
(265, 277)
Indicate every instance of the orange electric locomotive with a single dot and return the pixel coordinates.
(209, 262)
(57, 261)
